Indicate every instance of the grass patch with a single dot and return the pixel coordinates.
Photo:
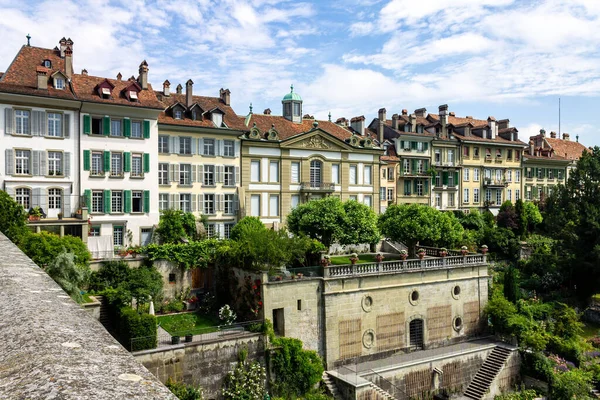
(590, 330)
(362, 259)
(204, 323)
(86, 298)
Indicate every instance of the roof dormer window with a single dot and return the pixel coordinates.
(47, 64)
(178, 114)
(59, 83)
(133, 95)
(105, 92)
(194, 115)
(217, 119)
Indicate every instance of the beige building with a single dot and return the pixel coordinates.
(199, 156)
(288, 160)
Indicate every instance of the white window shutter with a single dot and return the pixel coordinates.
(237, 148)
(201, 203)
(42, 199)
(67, 164)
(218, 173)
(9, 161)
(176, 172)
(194, 202)
(66, 205)
(222, 202)
(35, 199)
(201, 173)
(194, 173)
(43, 123)
(221, 145)
(201, 146)
(43, 163)
(36, 163)
(237, 177)
(8, 121)
(171, 172)
(67, 125)
(194, 145)
(172, 201)
(35, 123)
(236, 202)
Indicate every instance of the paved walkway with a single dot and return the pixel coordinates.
(164, 337)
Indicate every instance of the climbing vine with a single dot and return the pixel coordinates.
(187, 255)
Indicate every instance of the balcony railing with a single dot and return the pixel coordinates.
(317, 187)
(494, 182)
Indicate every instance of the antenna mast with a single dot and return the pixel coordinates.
(559, 136)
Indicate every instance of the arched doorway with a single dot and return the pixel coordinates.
(416, 334)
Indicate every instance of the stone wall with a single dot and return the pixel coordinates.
(205, 364)
(183, 278)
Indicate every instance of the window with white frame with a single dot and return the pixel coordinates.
(438, 156)
(22, 162)
(465, 195)
(116, 201)
(54, 124)
(335, 173)
(438, 180)
(185, 174)
(508, 175)
(55, 162)
(450, 199)
(498, 175)
(352, 176)
(59, 83)
(517, 195)
(163, 201)
(209, 175)
(227, 229)
(274, 205)
(185, 145)
(97, 167)
(55, 198)
(136, 129)
(228, 204)
(117, 235)
(420, 146)
(255, 205)
(115, 127)
(209, 147)
(163, 174)
(136, 165)
(137, 197)
(255, 171)
(438, 199)
(23, 197)
(316, 173)
(295, 172)
(451, 157)
(22, 122)
(476, 174)
(528, 193)
(488, 174)
(420, 166)
(116, 164)
(209, 204)
(229, 175)
(498, 196)
(295, 200)
(185, 202)
(163, 144)
(178, 114)
(509, 194)
(273, 171)
(368, 200)
(466, 174)
(390, 194)
(488, 195)
(419, 187)
(540, 172)
(550, 174)
(94, 231)
(476, 196)
(353, 197)
(450, 179)
(97, 201)
(228, 148)
(406, 166)
(368, 173)
(211, 230)
(390, 173)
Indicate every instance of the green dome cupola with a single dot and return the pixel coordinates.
(292, 106)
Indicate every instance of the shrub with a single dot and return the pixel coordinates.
(572, 384)
(136, 331)
(537, 365)
(246, 381)
(183, 391)
(247, 227)
(12, 218)
(44, 247)
(174, 306)
(69, 276)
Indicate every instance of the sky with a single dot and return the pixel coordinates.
(504, 58)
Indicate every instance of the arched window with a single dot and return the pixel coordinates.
(55, 198)
(315, 173)
(23, 197)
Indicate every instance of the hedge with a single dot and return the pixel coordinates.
(141, 327)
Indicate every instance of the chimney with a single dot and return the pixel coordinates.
(119, 76)
(530, 147)
(225, 96)
(69, 61)
(143, 78)
(179, 89)
(542, 132)
(504, 124)
(452, 114)
(469, 117)
(267, 111)
(404, 111)
(493, 126)
(42, 78)
(166, 88)
(552, 134)
(566, 136)
(84, 72)
(381, 128)
(340, 121)
(358, 124)
(395, 121)
(420, 112)
(63, 46)
(412, 120)
(188, 93)
(443, 112)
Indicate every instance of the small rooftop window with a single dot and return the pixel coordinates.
(59, 83)
(47, 64)
(106, 92)
(133, 95)
(178, 114)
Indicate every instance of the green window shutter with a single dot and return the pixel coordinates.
(146, 129)
(87, 125)
(415, 186)
(425, 146)
(107, 161)
(107, 201)
(456, 178)
(127, 201)
(146, 162)
(106, 126)
(426, 186)
(127, 127)
(86, 160)
(87, 195)
(414, 166)
(402, 144)
(127, 162)
(426, 165)
(146, 201)
(535, 191)
(413, 145)
(445, 178)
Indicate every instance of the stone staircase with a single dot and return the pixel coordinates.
(104, 317)
(492, 365)
(381, 394)
(331, 386)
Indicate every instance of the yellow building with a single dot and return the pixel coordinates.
(199, 156)
(291, 159)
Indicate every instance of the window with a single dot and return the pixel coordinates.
(163, 174)
(488, 194)
(488, 174)
(211, 229)
(163, 201)
(185, 202)
(476, 196)
(352, 197)
(295, 201)
(274, 171)
(228, 206)
(274, 205)
(297, 110)
(228, 148)
(438, 199)
(509, 154)
(97, 201)
(163, 144)
(517, 155)
(498, 175)
(23, 197)
(451, 157)
(209, 175)
(255, 171)
(353, 174)
(498, 153)
(420, 146)
(335, 173)
(450, 179)
(498, 197)
(136, 201)
(390, 174)
(528, 193)
(115, 127)
(437, 180)
(217, 119)
(47, 64)
(419, 188)
(420, 166)
(255, 205)
(540, 173)
(54, 163)
(94, 231)
(476, 152)
(97, 164)
(136, 130)
(466, 151)
(367, 172)
(55, 199)
(517, 195)
(560, 174)
(466, 174)
(390, 194)
(136, 165)
(59, 83)
(209, 147)
(116, 201)
(295, 172)
(209, 204)
(145, 236)
(227, 230)
(450, 199)
(178, 114)
(476, 174)
(229, 175)
(465, 195)
(185, 174)
(117, 235)
(508, 175)
(185, 145)
(54, 124)
(97, 126)
(438, 156)
(116, 164)
(22, 122)
(315, 173)
(509, 194)
(488, 152)
(406, 166)
(22, 165)
(550, 174)
(529, 173)
(368, 200)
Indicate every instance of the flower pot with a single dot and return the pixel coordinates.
(175, 339)
(443, 254)
(353, 261)
(189, 338)
(484, 251)
(421, 255)
(403, 257)
(300, 275)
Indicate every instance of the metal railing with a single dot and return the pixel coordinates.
(317, 186)
(297, 273)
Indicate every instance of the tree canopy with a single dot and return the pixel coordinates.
(12, 218)
(44, 247)
(175, 225)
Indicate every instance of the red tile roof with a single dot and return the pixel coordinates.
(390, 154)
(568, 149)
(477, 124)
(85, 87)
(230, 118)
(543, 154)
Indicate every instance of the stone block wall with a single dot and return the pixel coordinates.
(183, 278)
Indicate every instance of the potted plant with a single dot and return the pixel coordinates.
(464, 250)
(300, 275)
(443, 252)
(421, 253)
(353, 258)
(484, 249)
(35, 214)
(60, 215)
(403, 254)
(379, 257)
(184, 325)
(326, 260)
(175, 339)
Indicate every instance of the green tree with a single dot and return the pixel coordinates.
(322, 219)
(511, 284)
(507, 217)
(414, 223)
(246, 227)
(44, 247)
(68, 275)
(532, 214)
(360, 224)
(176, 225)
(500, 311)
(245, 382)
(573, 384)
(297, 370)
(521, 218)
(12, 218)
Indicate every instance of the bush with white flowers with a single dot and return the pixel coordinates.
(246, 381)
(227, 315)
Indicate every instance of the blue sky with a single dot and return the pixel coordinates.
(506, 58)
